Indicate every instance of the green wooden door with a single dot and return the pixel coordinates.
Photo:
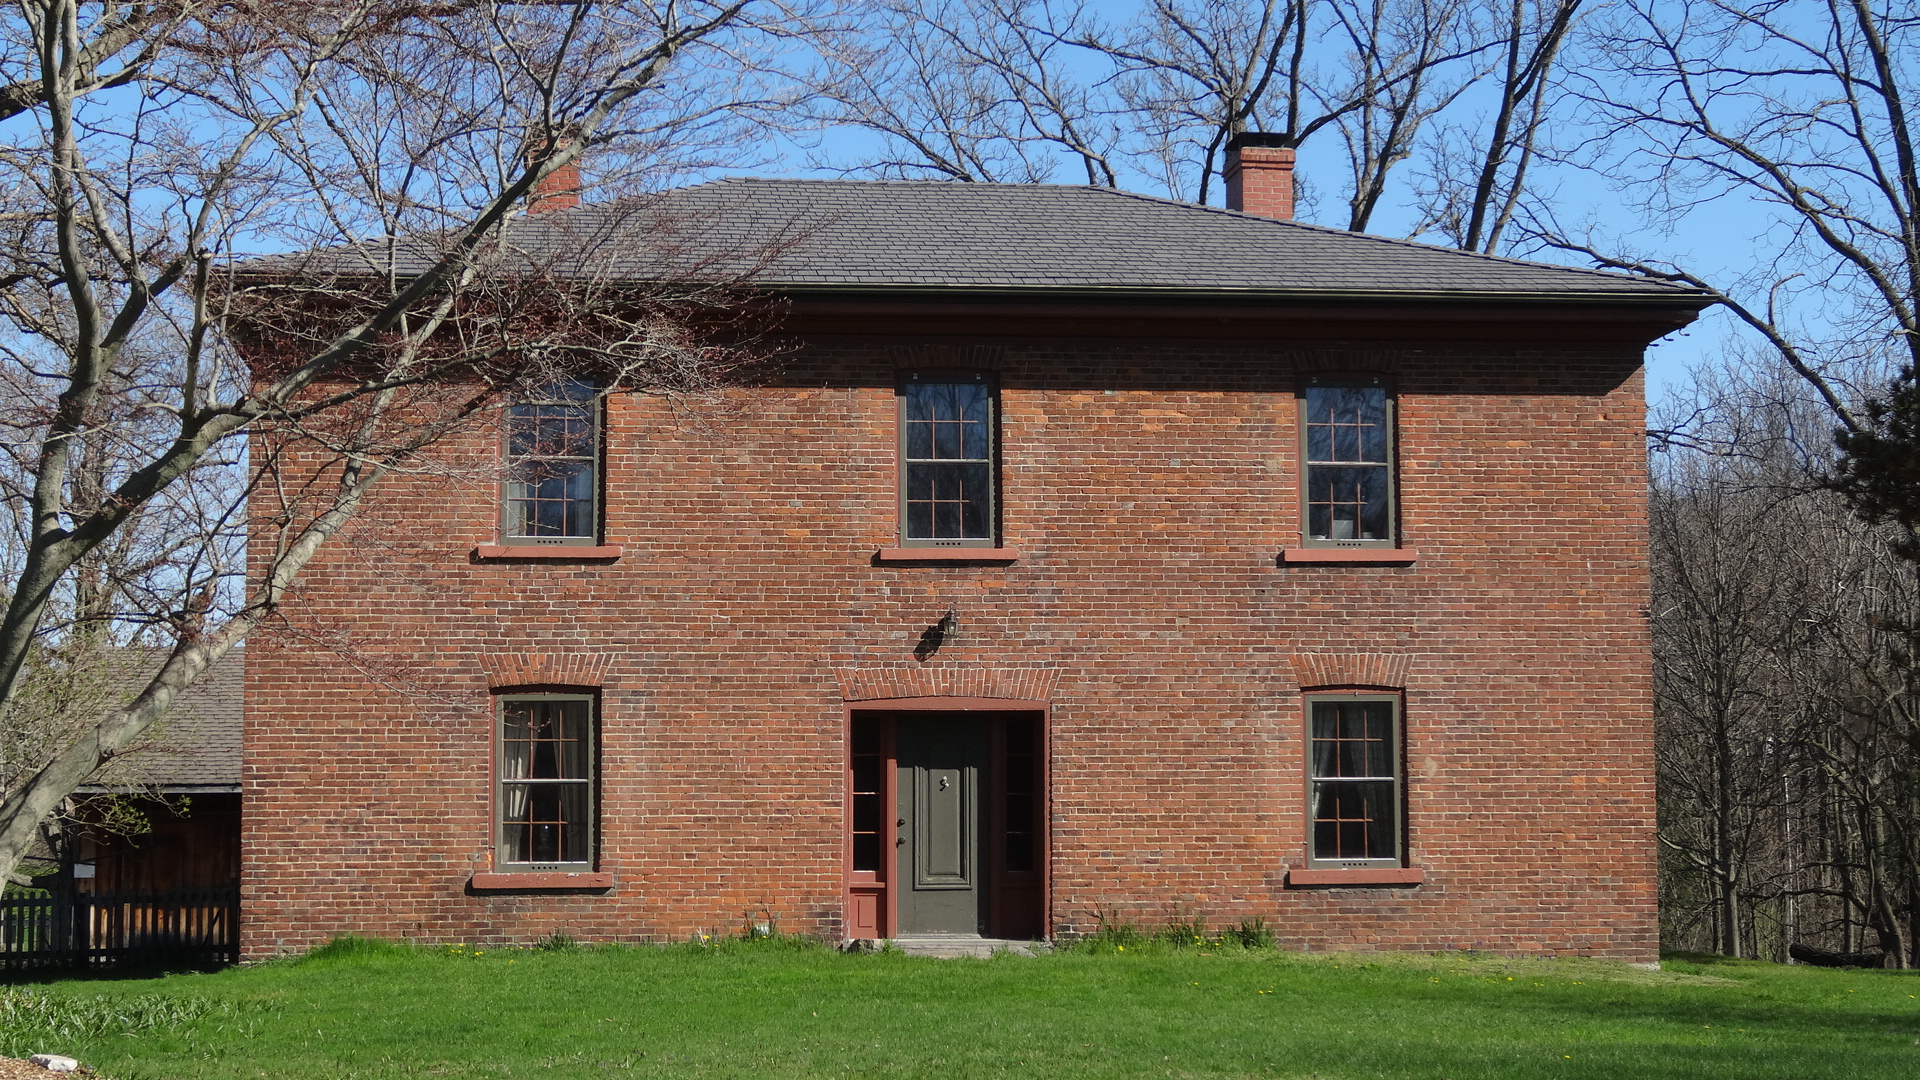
(942, 863)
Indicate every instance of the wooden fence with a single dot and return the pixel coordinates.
(194, 927)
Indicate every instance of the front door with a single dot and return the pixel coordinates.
(946, 823)
(940, 778)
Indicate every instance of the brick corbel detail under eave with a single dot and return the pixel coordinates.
(1313, 669)
(1018, 684)
(948, 357)
(543, 669)
(1346, 361)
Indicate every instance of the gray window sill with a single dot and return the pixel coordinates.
(945, 555)
(542, 880)
(1392, 556)
(547, 552)
(1334, 879)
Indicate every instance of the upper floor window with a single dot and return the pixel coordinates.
(1347, 452)
(545, 803)
(947, 462)
(553, 453)
(1353, 778)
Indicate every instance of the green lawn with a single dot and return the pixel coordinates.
(777, 1009)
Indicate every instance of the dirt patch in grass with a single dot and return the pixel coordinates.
(16, 1069)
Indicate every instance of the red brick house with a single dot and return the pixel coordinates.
(1093, 556)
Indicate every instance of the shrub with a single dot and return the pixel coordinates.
(1181, 933)
(1250, 934)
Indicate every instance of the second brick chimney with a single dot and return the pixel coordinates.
(1259, 174)
(560, 190)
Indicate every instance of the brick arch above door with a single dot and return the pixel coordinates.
(882, 683)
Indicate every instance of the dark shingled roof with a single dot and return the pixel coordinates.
(196, 746)
(892, 236)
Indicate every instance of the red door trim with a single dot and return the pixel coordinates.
(889, 799)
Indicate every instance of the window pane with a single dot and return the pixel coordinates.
(946, 439)
(1353, 758)
(948, 501)
(1020, 853)
(1354, 820)
(1020, 813)
(1019, 773)
(946, 519)
(919, 440)
(546, 793)
(1347, 424)
(947, 421)
(1347, 502)
(551, 457)
(549, 431)
(866, 813)
(551, 498)
(866, 773)
(919, 520)
(866, 853)
(975, 499)
(920, 401)
(544, 740)
(545, 823)
(978, 424)
(1352, 738)
(947, 469)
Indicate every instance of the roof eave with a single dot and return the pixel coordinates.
(1678, 297)
(161, 788)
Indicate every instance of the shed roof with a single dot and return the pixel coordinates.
(894, 236)
(195, 747)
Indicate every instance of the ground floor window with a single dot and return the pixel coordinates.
(1353, 780)
(545, 805)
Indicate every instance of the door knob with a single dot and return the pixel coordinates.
(901, 823)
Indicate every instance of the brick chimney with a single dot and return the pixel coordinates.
(1259, 174)
(561, 189)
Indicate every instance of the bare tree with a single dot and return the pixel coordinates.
(1725, 596)
(1035, 90)
(154, 147)
(1476, 177)
(974, 90)
(1400, 58)
(1797, 111)
(1784, 689)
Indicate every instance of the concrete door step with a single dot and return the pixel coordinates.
(952, 945)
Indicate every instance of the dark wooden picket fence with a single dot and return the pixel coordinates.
(196, 927)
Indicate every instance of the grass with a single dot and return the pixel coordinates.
(780, 1008)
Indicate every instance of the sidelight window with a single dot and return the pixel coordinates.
(552, 489)
(1354, 790)
(948, 473)
(1347, 449)
(545, 775)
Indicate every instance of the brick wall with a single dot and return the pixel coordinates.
(1148, 489)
